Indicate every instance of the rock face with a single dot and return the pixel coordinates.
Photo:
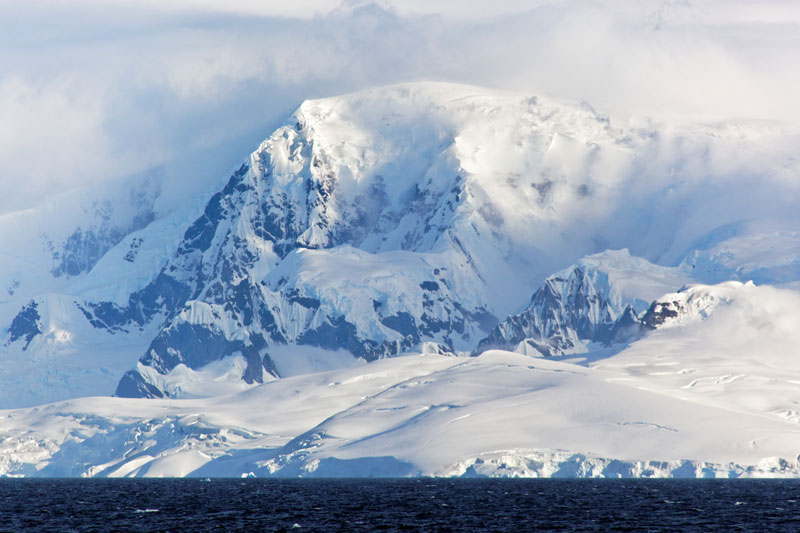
(243, 277)
(565, 314)
(26, 325)
(598, 300)
(83, 249)
(691, 303)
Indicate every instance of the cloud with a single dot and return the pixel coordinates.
(33, 145)
(652, 58)
(99, 90)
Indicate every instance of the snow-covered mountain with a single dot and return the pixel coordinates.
(600, 300)
(50, 247)
(84, 244)
(408, 218)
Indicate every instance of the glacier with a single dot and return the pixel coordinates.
(420, 279)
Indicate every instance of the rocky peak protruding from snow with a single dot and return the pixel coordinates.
(691, 303)
(597, 300)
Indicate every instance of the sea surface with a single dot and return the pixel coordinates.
(398, 505)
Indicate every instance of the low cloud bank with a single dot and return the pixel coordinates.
(103, 90)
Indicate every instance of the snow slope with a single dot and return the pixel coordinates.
(711, 390)
(765, 252)
(539, 417)
(732, 345)
(499, 414)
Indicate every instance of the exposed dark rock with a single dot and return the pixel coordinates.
(338, 333)
(659, 312)
(305, 301)
(133, 385)
(402, 323)
(568, 309)
(195, 346)
(26, 325)
(429, 286)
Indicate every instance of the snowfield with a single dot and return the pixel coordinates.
(704, 397)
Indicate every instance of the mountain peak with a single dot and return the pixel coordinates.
(402, 217)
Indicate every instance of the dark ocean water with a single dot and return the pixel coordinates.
(398, 504)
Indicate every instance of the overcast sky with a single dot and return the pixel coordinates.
(95, 90)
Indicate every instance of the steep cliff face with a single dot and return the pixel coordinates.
(598, 300)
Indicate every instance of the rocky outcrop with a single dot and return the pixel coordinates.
(593, 301)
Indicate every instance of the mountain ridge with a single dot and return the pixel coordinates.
(409, 217)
